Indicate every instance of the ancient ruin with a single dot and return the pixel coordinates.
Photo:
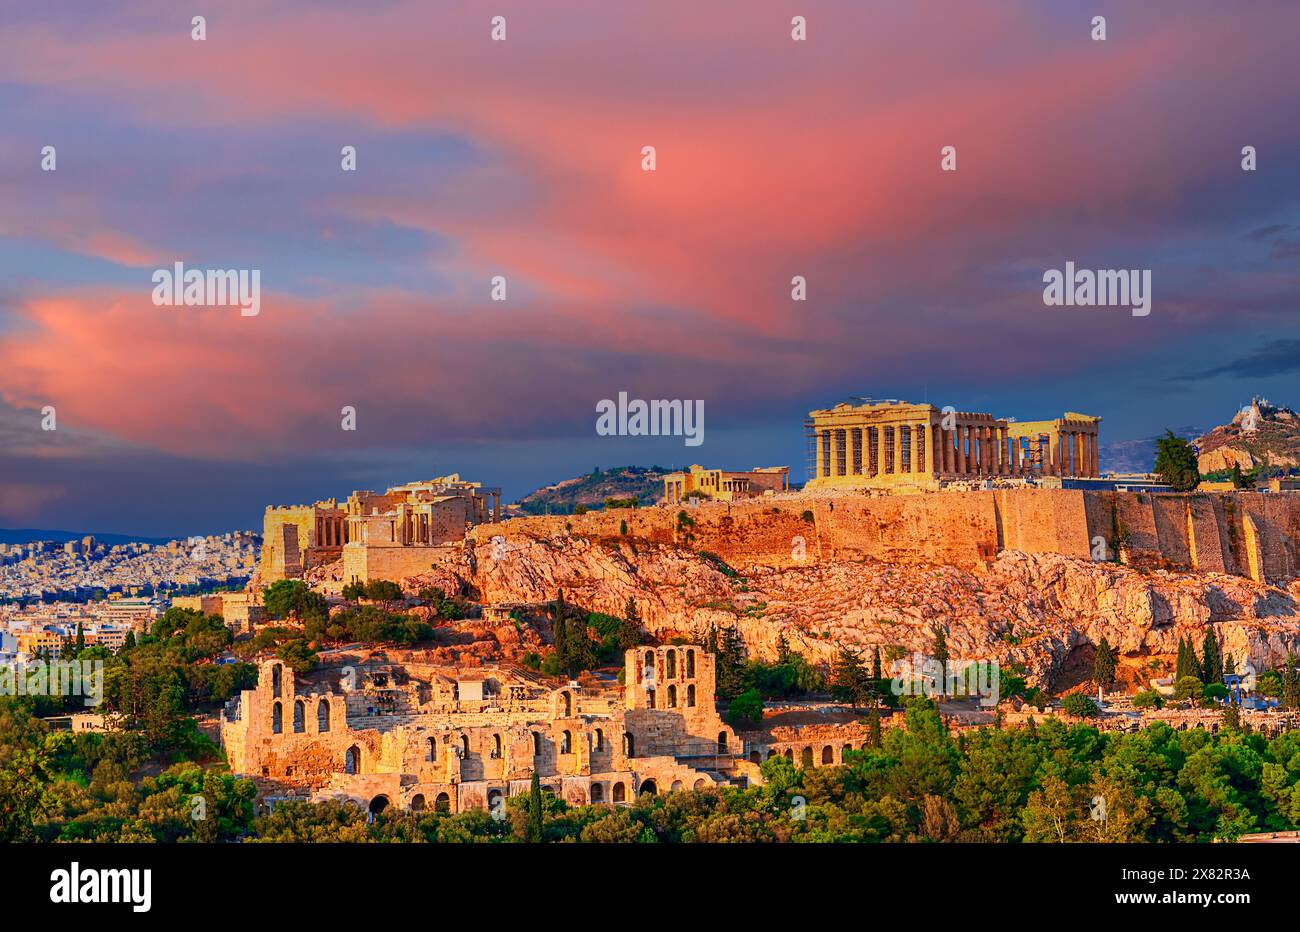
(898, 445)
(399, 532)
(415, 735)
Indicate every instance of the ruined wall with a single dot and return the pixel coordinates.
(1248, 534)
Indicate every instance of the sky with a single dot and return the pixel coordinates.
(523, 158)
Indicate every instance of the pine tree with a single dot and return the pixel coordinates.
(79, 644)
(875, 664)
(1103, 665)
(535, 810)
(130, 640)
(849, 678)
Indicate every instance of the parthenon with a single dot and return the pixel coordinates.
(896, 444)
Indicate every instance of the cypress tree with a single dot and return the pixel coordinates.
(941, 655)
(875, 664)
(873, 726)
(1212, 664)
(535, 810)
(1103, 665)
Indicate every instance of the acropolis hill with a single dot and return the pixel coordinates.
(921, 521)
(872, 557)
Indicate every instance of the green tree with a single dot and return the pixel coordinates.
(1176, 463)
(1079, 705)
(1212, 659)
(746, 709)
(535, 813)
(849, 682)
(1104, 664)
(941, 654)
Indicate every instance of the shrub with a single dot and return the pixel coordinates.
(1079, 705)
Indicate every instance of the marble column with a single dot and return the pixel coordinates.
(1096, 456)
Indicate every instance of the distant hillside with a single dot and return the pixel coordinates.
(28, 535)
(591, 490)
(1260, 434)
(1126, 456)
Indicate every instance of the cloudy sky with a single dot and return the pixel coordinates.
(522, 158)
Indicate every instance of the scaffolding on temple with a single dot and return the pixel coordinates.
(810, 443)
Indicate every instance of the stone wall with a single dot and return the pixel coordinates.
(1247, 534)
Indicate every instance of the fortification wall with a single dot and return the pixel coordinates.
(1248, 534)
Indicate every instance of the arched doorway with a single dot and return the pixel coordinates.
(417, 802)
(442, 803)
(378, 804)
(648, 788)
(597, 793)
(352, 760)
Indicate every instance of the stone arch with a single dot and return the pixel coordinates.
(442, 803)
(677, 786)
(277, 718)
(496, 747)
(670, 662)
(492, 796)
(464, 746)
(828, 755)
(771, 753)
(598, 740)
(754, 757)
(433, 750)
(690, 696)
(690, 664)
(648, 788)
(379, 804)
(566, 699)
(566, 742)
(844, 751)
(806, 757)
(672, 697)
(597, 793)
(277, 680)
(701, 783)
(537, 744)
(650, 697)
(620, 793)
(417, 802)
(629, 745)
(789, 754)
(648, 666)
(299, 717)
(722, 742)
(352, 760)
(323, 715)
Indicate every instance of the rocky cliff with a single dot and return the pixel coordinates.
(1038, 610)
(1259, 434)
